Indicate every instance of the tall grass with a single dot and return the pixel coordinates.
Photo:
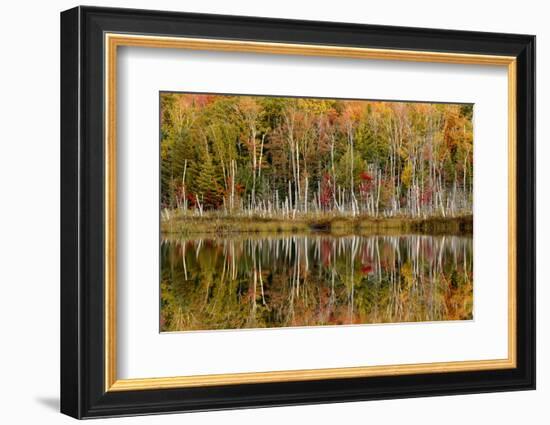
(214, 222)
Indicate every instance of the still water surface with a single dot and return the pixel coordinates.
(255, 281)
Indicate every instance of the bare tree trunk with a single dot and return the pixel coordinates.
(298, 197)
(183, 187)
(378, 192)
(234, 172)
(333, 182)
(260, 160)
(253, 143)
(305, 195)
(290, 195)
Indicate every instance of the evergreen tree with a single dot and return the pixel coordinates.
(206, 184)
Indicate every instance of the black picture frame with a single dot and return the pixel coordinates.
(83, 392)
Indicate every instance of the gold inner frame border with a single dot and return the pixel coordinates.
(111, 43)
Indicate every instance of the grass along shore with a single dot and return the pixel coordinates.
(221, 224)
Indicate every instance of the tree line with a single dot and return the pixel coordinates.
(282, 157)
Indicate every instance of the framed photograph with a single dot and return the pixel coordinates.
(261, 212)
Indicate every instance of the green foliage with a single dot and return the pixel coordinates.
(254, 148)
(206, 183)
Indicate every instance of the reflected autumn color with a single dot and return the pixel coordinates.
(248, 281)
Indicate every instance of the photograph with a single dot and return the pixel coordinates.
(298, 208)
(297, 211)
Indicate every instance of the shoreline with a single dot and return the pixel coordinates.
(220, 225)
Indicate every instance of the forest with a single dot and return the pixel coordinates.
(284, 212)
(289, 158)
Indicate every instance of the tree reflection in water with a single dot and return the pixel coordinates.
(320, 279)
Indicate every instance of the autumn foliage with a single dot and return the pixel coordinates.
(286, 156)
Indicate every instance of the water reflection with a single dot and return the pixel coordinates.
(321, 279)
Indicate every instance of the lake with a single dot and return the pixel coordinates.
(319, 279)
